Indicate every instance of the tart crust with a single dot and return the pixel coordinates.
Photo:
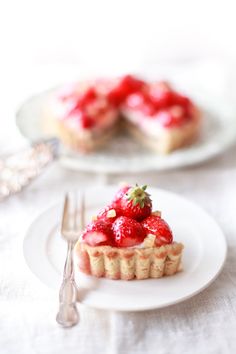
(129, 263)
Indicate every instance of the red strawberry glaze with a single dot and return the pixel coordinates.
(127, 232)
(100, 226)
(162, 99)
(75, 106)
(126, 86)
(163, 96)
(157, 101)
(89, 96)
(155, 225)
(86, 121)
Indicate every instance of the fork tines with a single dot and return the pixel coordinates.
(72, 224)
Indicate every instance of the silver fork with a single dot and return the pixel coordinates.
(68, 315)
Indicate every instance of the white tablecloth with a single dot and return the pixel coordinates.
(204, 324)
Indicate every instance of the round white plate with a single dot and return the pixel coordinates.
(204, 255)
(218, 133)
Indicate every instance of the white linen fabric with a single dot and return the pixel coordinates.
(205, 323)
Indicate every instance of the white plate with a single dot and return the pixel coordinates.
(204, 256)
(218, 133)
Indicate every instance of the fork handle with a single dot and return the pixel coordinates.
(68, 315)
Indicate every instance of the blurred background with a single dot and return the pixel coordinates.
(46, 42)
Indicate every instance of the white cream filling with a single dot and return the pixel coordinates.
(148, 125)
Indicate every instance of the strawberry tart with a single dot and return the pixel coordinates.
(127, 240)
(87, 114)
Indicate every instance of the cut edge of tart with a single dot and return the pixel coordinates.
(169, 139)
(128, 240)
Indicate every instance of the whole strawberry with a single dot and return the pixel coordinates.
(136, 203)
(127, 232)
(98, 233)
(155, 225)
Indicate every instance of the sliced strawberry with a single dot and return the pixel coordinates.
(94, 238)
(100, 226)
(155, 225)
(98, 232)
(136, 203)
(127, 232)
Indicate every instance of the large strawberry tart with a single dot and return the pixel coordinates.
(128, 240)
(86, 114)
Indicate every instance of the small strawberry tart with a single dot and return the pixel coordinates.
(87, 114)
(127, 240)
